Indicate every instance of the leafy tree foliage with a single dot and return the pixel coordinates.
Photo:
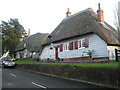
(12, 31)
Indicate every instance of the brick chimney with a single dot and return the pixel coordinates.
(68, 13)
(29, 32)
(100, 15)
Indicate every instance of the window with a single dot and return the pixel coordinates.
(83, 43)
(24, 45)
(74, 45)
(65, 47)
(79, 44)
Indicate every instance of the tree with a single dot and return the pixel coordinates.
(117, 16)
(12, 31)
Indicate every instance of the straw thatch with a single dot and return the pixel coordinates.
(33, 42)
(83, 23)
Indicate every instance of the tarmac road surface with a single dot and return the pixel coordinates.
(14, 78)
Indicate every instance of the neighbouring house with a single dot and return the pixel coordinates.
(31, 46)
(78, 33)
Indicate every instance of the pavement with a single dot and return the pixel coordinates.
(15, 78)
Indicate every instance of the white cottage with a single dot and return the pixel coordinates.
(79, 33)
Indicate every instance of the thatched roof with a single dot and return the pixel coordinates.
(33, 42)
(82, 23)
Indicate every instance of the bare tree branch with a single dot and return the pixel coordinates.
(119, 14)
(116, 12)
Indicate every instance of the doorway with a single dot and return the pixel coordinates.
(56, 52)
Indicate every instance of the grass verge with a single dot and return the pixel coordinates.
(113, 65)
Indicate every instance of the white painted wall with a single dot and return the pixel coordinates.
(95, 43)
(17, 55)
(47, 53)
(25, 54)
(99, 45)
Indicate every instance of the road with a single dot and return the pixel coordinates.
(14, 78)
(0, 77)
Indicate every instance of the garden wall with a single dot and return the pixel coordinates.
(104, 76)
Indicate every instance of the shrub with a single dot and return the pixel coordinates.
(90, 52)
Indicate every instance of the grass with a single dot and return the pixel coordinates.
(88, 65)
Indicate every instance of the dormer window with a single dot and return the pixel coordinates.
(24, 45)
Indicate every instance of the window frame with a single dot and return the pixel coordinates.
(66, 47)
(82, 41)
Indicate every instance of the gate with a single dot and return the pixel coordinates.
(117, 55)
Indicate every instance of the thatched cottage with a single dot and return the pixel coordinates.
(31, 46)
(78, 33)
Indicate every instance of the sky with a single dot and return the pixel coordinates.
(44, 16)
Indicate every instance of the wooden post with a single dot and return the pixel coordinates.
(116, 55)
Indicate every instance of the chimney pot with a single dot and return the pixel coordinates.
(100, 15)
(29, 32)
(68, 13)
(99, 5)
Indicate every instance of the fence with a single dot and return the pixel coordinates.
(117, 55)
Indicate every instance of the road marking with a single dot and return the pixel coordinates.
(38, 85)
(12, 75)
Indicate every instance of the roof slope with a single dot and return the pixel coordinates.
(33, 42)
(82, 23)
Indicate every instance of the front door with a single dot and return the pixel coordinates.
(56, 52)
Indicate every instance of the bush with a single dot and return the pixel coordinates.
(90, 53)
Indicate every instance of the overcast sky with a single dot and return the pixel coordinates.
(45, 15)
